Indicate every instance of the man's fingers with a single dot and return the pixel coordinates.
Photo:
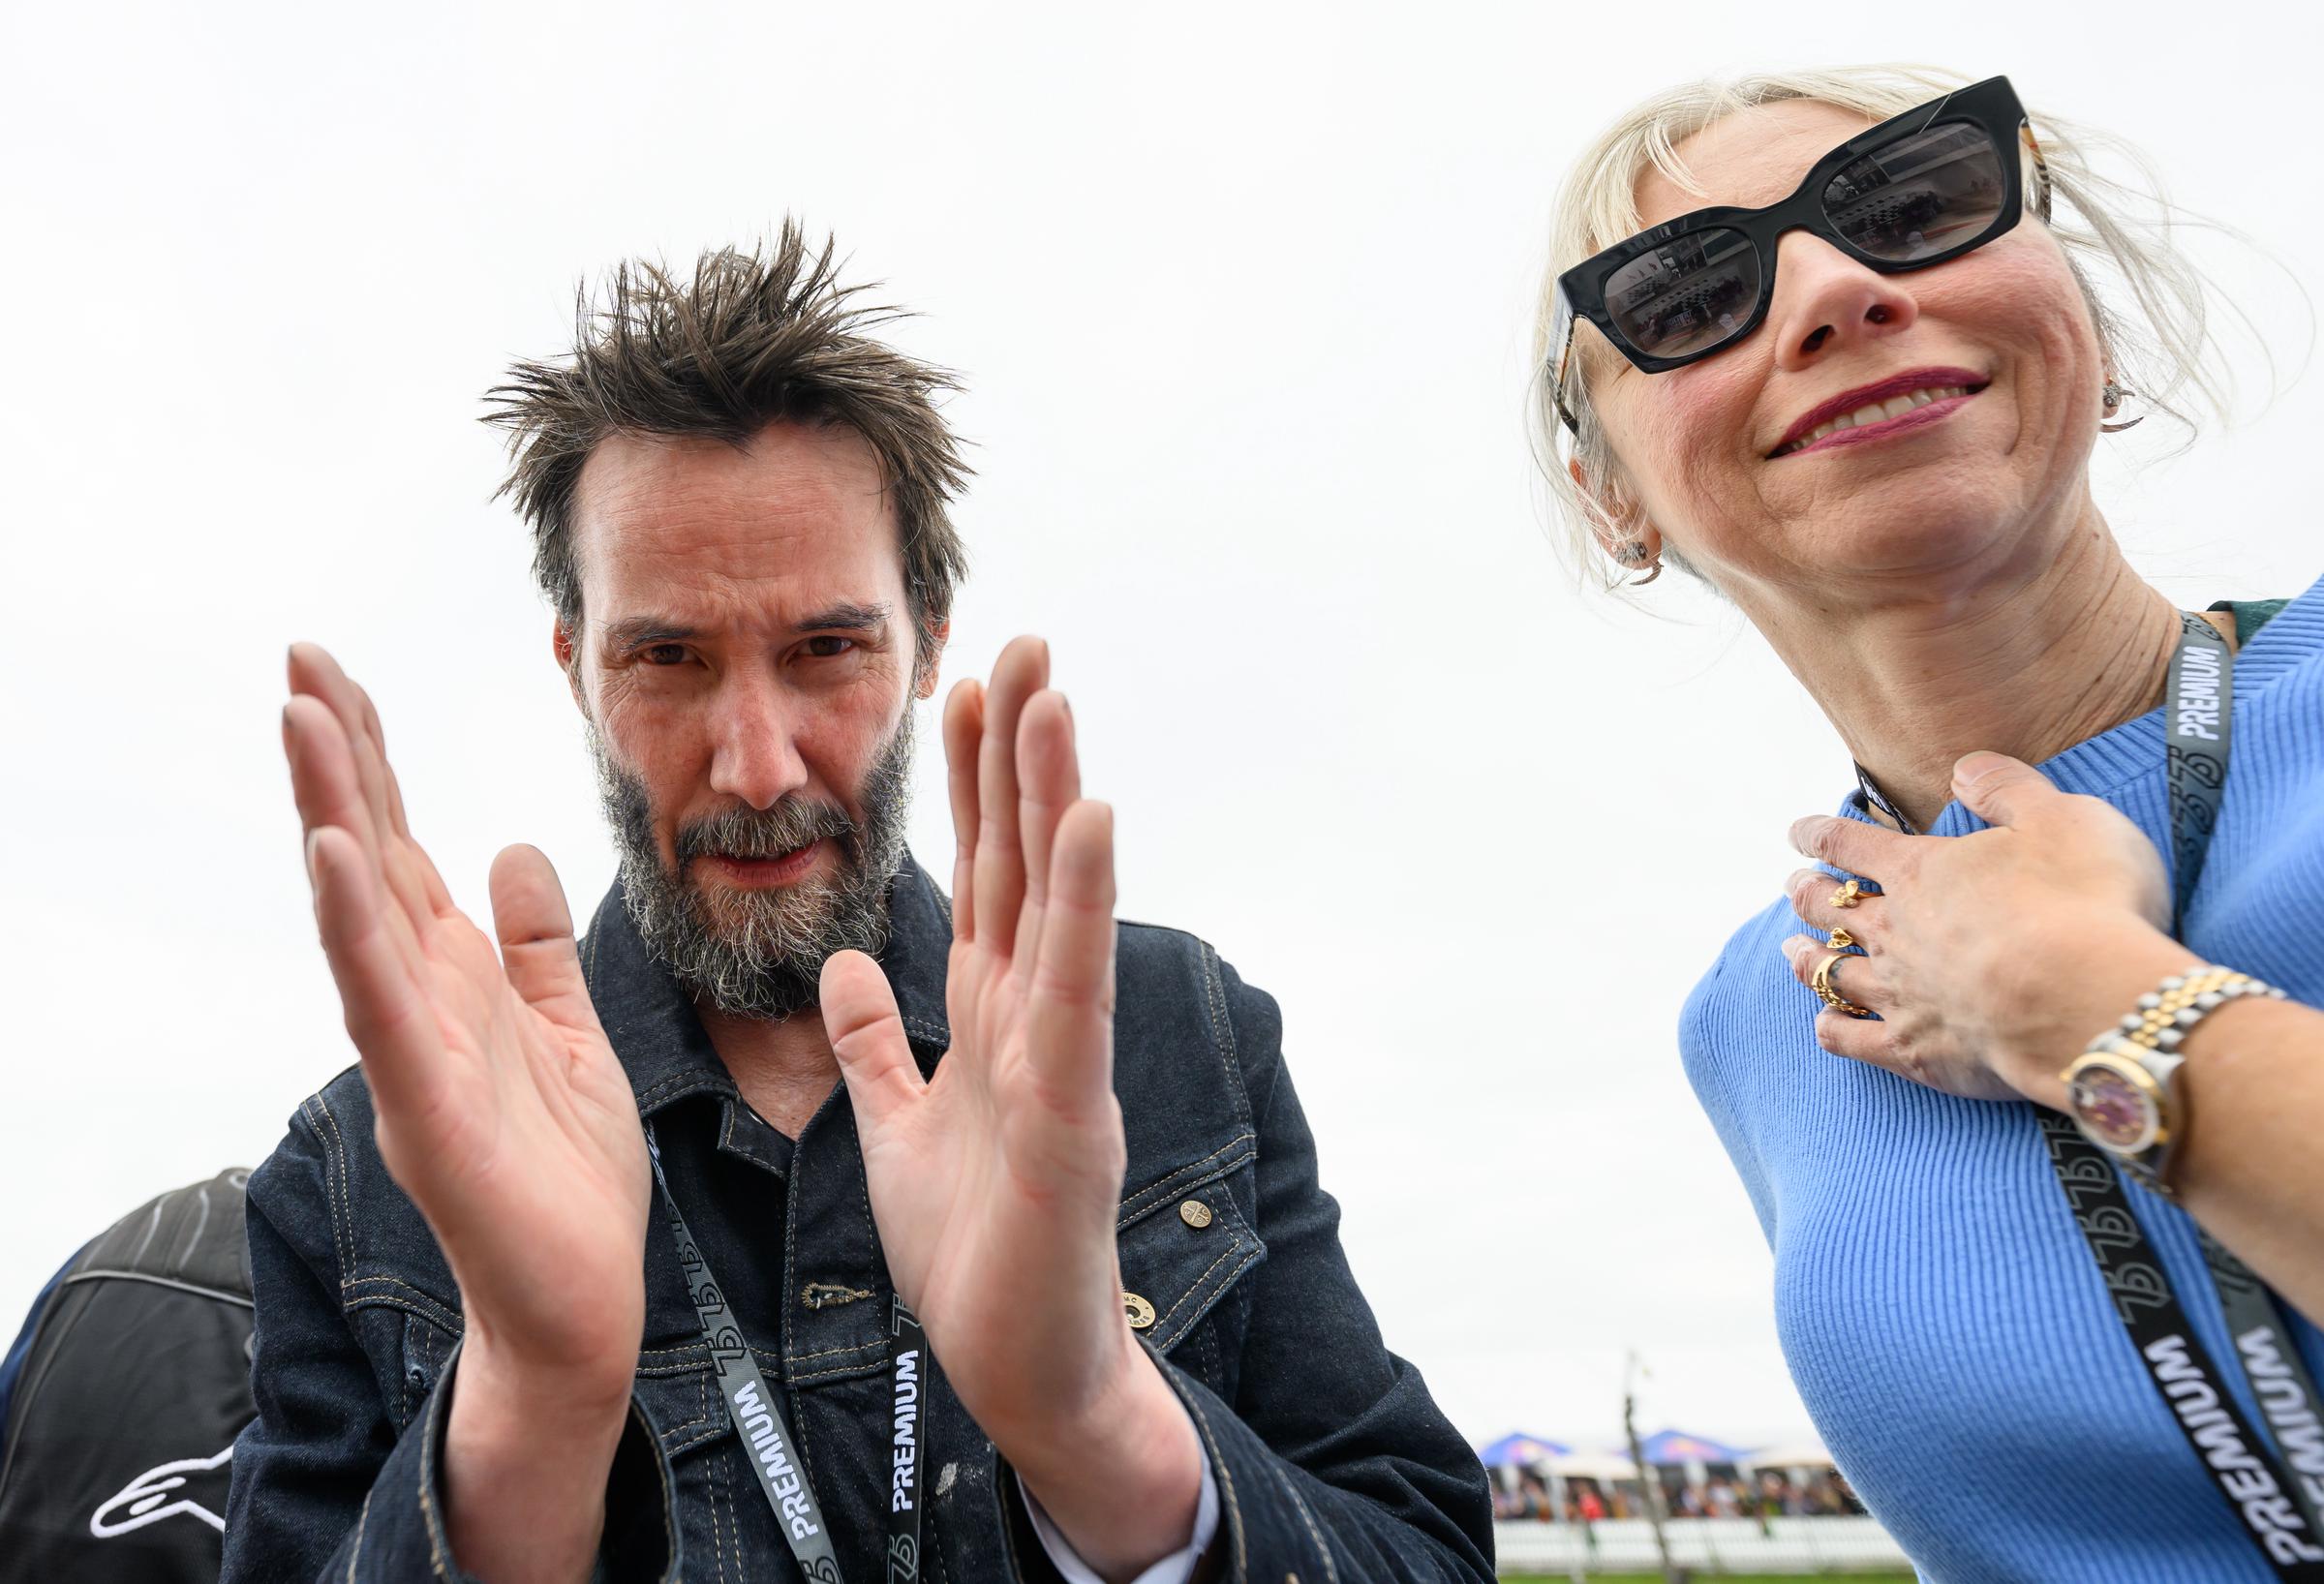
(536, 930)
(322, 776)
(1021, 672)
(1049, 781)
(1069, 1010)
(385, 1008)
(964, 738)
(315, 674)
(2001, 790)
(867, 1034)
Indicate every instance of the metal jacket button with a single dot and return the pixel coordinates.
(1141, 1312)
(1195, 1214)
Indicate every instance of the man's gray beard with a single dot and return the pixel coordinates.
(760, 954)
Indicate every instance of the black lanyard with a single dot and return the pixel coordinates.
(758, 1416)
(2280, 1510)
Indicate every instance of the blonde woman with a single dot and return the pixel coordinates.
(1828, 341)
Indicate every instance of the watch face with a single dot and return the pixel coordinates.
(2113, 1108)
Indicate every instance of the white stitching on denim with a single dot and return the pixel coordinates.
(341, 1236)
(1232, 1249)
(1226, 1483)
(1330, 1569)
(1222, 1026)
(1165, 1186)
(834, 1353)
(718, 1474)
(427, 1507)
(356, 1552)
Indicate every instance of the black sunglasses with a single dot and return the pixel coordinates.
(1915, 191)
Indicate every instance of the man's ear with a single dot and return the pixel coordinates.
(568, 660)
(929, 659)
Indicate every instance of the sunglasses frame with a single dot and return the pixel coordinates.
(1991, 105)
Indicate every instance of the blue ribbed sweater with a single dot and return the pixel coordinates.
(1939, 1309)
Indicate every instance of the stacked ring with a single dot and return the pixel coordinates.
(1850, 894)
(1826, 991)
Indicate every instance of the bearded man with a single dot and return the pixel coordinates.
(798, 1221)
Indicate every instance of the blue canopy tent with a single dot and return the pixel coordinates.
(1520, 1452)
(1676, 1446)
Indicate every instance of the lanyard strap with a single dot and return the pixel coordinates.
(2199, 708)
(2283, 1513)
(2200, 700)
(757, 1417)
(910, 1352)
(2276, 1519)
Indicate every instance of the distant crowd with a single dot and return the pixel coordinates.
(1770, 1494)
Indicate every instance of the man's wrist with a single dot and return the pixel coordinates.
(524, 1468)
(1123, 1486)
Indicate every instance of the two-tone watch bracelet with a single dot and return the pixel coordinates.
(2124, 1090)
(2165, 1013)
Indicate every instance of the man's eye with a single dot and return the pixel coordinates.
(829, 647)
(663, 654)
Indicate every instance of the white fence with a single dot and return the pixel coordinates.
(1708, 1545)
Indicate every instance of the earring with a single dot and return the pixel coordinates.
(2111, 400)
(1634, 554)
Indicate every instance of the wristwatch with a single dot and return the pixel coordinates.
(2124, 1090)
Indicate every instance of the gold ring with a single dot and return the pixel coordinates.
(1842, 940)
(1850, 894)
(1829, 996)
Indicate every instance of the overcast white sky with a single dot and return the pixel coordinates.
(1240, 295)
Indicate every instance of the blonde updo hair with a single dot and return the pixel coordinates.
(2149, 301)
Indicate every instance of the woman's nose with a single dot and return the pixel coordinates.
(1826, 302)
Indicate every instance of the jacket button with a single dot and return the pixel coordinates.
(1195, 1214)
(1141, 1312)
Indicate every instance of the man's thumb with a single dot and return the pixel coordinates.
(867, 1034)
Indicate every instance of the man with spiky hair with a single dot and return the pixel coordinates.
(797, 1220)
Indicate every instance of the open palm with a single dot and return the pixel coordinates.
(500, 1107)
(996, 1184)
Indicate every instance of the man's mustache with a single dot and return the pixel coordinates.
(752, 833)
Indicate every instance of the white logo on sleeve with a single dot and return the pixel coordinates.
(146, 1498)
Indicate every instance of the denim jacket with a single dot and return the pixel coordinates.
(1330, 1460)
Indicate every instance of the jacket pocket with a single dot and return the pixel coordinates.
(1185, 1242)
(685, 1409)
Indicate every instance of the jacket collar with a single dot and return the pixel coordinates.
(661, 1043)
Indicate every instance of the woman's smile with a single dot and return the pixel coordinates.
(1894, 406)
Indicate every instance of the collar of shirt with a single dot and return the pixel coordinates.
(661, 1043)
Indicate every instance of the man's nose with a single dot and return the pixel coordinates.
(753, 752)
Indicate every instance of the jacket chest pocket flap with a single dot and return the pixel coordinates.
(1185, 1242)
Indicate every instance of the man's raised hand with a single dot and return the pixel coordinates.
(996, 1184)
(501, 1109)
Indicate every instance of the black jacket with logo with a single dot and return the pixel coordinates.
(114, 1456)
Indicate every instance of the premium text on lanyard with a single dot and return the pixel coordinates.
(758, 1416)
(2278, 1507)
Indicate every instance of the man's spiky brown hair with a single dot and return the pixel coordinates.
(751, 339)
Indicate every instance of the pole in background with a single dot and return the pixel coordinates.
(1652, 1481)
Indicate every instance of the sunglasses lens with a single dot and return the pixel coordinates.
(1921, 194)
(1687, 297)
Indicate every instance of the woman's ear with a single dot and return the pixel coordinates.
(1624, 534)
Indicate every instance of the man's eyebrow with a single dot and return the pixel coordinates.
(847, 615)
(637, 631)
